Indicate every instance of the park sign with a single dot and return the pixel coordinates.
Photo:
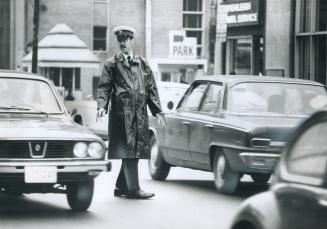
(181, 46)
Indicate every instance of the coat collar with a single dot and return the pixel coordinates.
(121, 58)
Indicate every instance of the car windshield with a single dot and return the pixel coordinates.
(277, 98)
(23, 95)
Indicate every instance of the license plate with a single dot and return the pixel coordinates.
(41, 174)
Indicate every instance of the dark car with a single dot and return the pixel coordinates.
(232, 125)
(298, 196)
(41, 148)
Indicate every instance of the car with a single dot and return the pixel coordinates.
(41, 149)
(168, 92)
(231, 126)
(297, 198)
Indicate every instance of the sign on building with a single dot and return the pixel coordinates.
(241, 13)
(221, 25)
(181, 46)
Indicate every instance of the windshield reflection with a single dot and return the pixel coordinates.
(27, 96)
(277, 99)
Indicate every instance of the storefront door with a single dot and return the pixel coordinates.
(245, 56)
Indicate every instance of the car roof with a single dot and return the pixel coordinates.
(171, 84)
(234, 79)
(20, 74)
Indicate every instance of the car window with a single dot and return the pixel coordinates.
(308, 156)
(34, 95)
(170, 92)
(273, 98)
(212, 99)
(193, 99)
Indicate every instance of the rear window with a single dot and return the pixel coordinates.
(276, 98)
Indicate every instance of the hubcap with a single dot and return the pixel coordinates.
(154, 156)
(221, 166)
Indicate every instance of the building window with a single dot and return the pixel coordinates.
(311, 42)
(306, 15)
(69, 78)
(304, 44)
(193, 22)
(322, 15)
(77, 78)
(99, 38)
(166, 76)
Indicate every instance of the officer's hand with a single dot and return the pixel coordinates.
(100, 113)
(161, 119)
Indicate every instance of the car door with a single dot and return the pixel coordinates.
(202, 126)
(303, 199)
(178, 128)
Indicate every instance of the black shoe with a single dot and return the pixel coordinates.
(139, 194)
(119, 192)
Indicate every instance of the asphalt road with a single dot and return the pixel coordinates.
(186, 200)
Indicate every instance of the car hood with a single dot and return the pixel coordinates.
(278, 128)
(46, 128)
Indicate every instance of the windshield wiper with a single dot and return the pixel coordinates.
(15, 108)
(32, 109)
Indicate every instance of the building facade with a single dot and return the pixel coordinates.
(12, 35)
(278, 38)
(172, 35)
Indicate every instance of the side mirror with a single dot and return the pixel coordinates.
(78, 119)
(170, 105)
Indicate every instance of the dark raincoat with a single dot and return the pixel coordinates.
(126, 90)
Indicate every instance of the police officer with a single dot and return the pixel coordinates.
(126, 88)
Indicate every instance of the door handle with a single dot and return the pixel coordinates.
(186, 123)
(209, 126)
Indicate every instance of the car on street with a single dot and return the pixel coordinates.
(297, 198)
(168, 92)
(41, 149)
(232, 125)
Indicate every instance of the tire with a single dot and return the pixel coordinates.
(260, 178)
(158, 168)
(79, 195)
(225, 179)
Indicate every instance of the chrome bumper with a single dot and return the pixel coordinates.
(259, 161)
(62, 166)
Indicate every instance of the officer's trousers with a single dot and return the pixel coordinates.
(128, 178)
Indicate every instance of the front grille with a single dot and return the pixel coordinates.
(36, 149)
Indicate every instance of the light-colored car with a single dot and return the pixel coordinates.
(41, 148)
(168, 92)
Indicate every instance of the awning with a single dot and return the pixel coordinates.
(62, 48)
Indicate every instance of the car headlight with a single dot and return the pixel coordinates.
(95, 150)
(80, 149)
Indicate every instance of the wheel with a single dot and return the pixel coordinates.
(260, 177)
(226, 180)
(158, 168)
(79, 195)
